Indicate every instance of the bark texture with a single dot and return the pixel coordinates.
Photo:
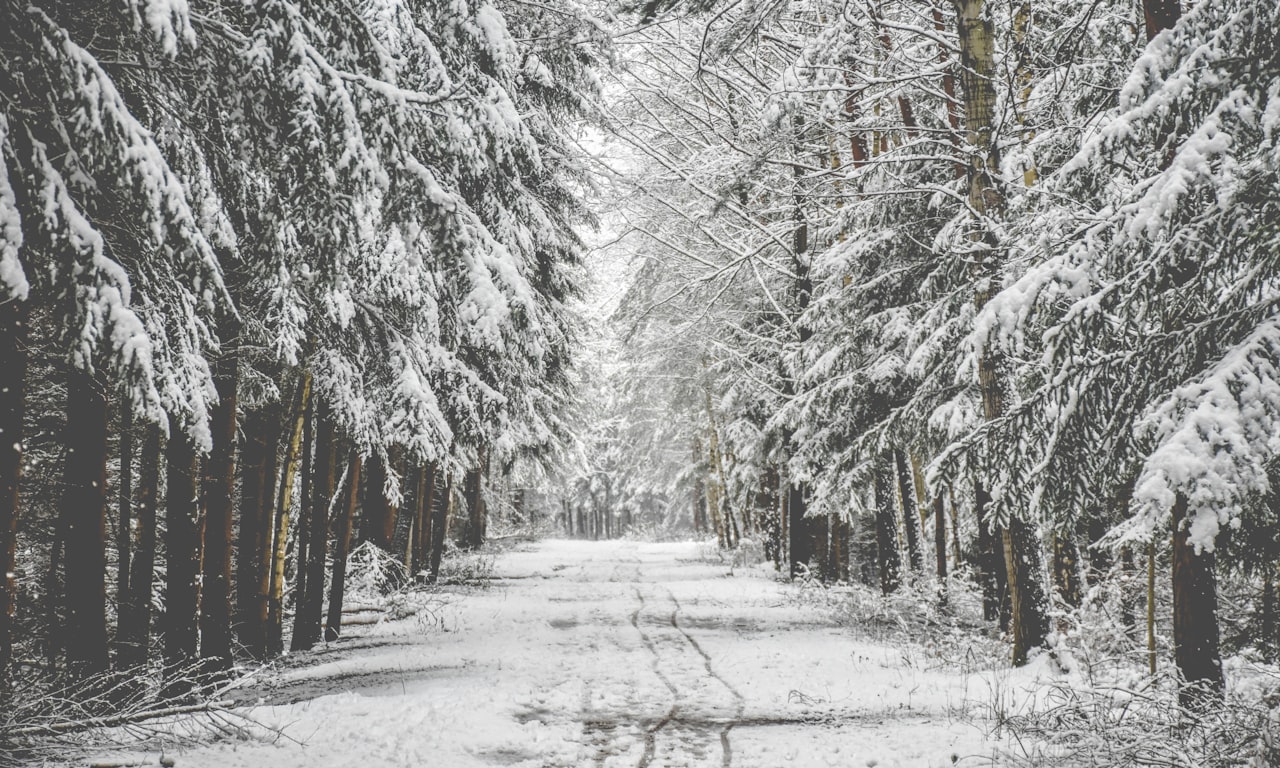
(474, 494)
(800, 537)
(85, 512)
(280, 537)
(133, 636)
(439, 527)
(252, 543)
(888, 559)
(13, 372)
(1195, 618)
(219, 491)
(310, 607)
(378, 515)
(341, 548)
(910, 515)
(182, 548)
(977, 80)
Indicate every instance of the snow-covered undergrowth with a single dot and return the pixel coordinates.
(949, 632)
(1081, 723)
(174, 709)
(1087, 702)
(578, 653)
(598, 654)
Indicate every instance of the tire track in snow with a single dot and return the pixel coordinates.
(739, 701)
(651, 734)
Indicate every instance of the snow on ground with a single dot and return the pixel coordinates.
(610, 654)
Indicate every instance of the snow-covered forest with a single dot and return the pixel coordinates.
(966, 309)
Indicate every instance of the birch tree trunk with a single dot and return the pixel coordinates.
(280, 539)
(1029, 618)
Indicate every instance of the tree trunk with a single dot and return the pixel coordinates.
(723, 513)
(995, 576)
(1029, 614)
(957, 553)
(1066, 571)
(219, 490)
(474, 492)
(1160, 15)
(940, 541)
(440, 525)
(910, 514)
(887, 557)
(840, 530)
(378, 516)
(949, 90)
(341, 548)
(309, 610)
(801, 542)
(766, 506)
(1099, 556)
(133, 634)
(182, 559)
(13, 372)
(85, 502)
(977, 60)
(289, 470)
(252, 544)
(124, 530)
(1195, 618)
(820, 528)
(413, 508)
(422, 542)
(1151, 606)
(302, 538)
(1066, 575)
(699, 505)
(1129, 593)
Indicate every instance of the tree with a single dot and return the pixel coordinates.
(182, 561)
(342, 547)
(13, 370)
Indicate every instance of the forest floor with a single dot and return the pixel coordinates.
(609, 654)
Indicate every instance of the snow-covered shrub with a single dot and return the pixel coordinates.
(471, 568)
(1115, 725)
(951, 632)
(372, 572)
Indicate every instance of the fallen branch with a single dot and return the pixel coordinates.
(130, 718)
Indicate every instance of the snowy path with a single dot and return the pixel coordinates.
(612, 654)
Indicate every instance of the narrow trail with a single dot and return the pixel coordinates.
(651, 733)
(609, 655)
(706, 660)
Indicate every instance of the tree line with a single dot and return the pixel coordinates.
(274, 278)
(999, 275)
